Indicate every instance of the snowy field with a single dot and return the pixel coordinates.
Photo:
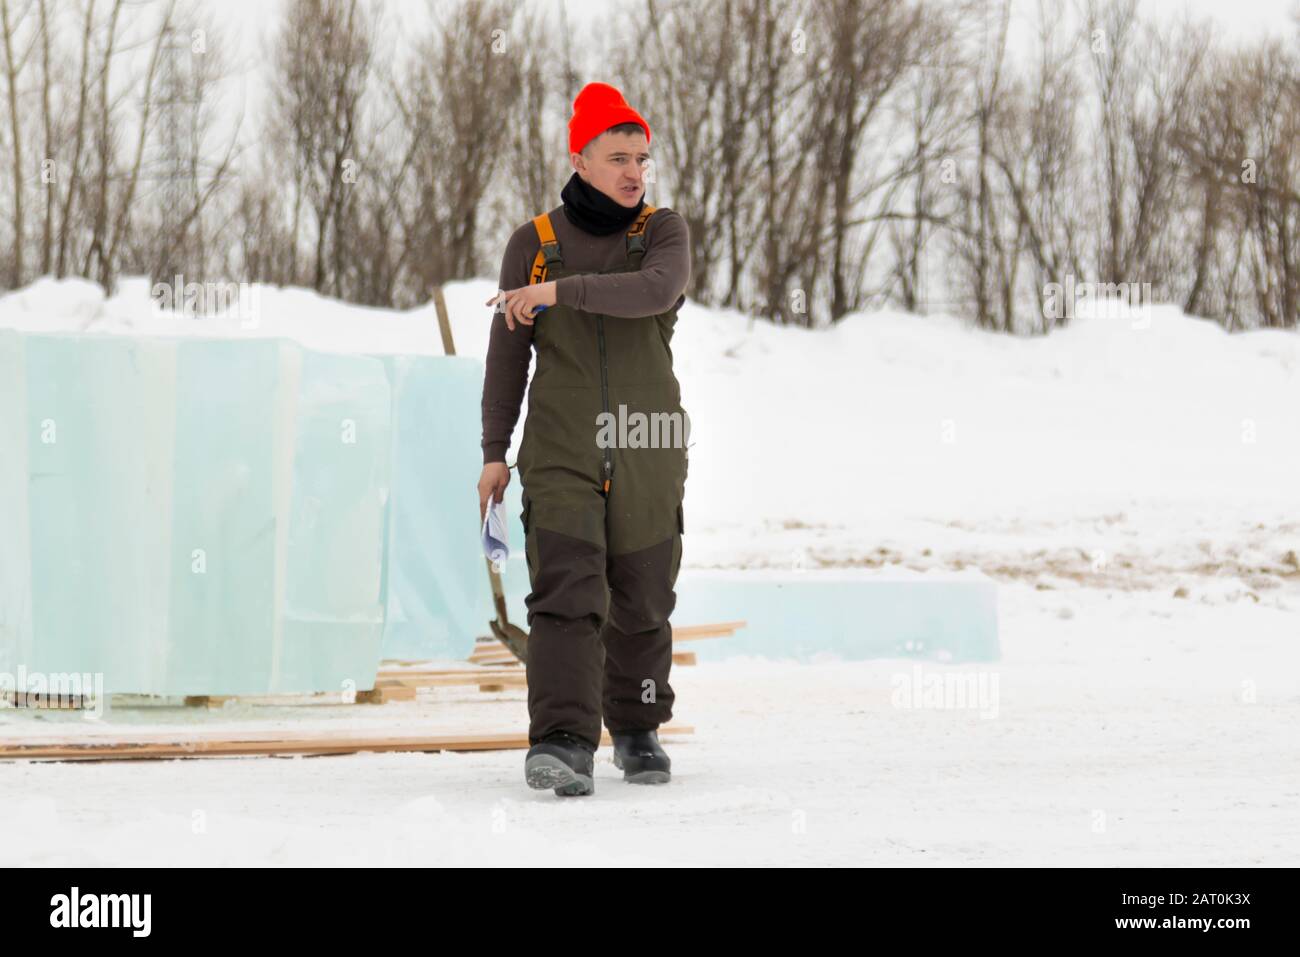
(1119, 737)
(1132, 485)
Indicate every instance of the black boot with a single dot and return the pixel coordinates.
(642, 759)
(561, 761)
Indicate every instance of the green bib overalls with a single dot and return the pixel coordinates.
(602, 511)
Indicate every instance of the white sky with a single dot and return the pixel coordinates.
(1239, 18)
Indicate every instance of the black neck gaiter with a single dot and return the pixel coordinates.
(592, 211)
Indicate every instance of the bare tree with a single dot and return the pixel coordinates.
(706, 79)
(116, 230)
(1037, 153)
(95, 262)
(873, 43)
(535, 139)
(49, 176)
(822, 152)
(988, 259)
(79, 135)
(933, 111)
(321, 71)
(465, 83)
(13, 67)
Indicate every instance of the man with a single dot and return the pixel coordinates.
(594, 287)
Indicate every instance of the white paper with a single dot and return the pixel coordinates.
(495, 544)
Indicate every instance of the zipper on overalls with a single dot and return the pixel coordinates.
(604, 396)
(635, 248)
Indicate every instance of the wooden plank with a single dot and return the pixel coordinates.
(288, 699)
(127, 699)
(489, 651)
(479, 670)
(497, 654)
(444, 322)
(683, 657)
(383, 695)
(697, 632)
(268, 743)
(451, 679)
(391, 681)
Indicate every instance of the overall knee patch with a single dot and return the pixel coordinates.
(567, 574)
(641, 587)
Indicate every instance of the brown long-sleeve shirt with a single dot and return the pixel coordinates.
(659, 285)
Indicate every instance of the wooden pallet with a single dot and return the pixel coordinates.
(496, 670)
(405, 684)
(212, 744)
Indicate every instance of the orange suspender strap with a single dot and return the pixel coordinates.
(549, 251)
(636, 235)
(639, 226)
(550, 247)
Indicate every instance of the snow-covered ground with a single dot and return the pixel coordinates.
(1132, 484)
(1121, 735)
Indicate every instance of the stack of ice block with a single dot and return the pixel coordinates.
(192, 516)
(209, 516)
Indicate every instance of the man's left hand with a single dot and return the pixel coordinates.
(518, 304)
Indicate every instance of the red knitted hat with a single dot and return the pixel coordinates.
(598, 107)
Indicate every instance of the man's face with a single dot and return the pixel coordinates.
(613, 164)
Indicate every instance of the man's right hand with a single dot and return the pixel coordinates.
(492, 486)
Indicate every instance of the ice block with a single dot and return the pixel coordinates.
(437, 590)
(192, 516)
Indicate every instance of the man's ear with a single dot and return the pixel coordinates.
(578, 162)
